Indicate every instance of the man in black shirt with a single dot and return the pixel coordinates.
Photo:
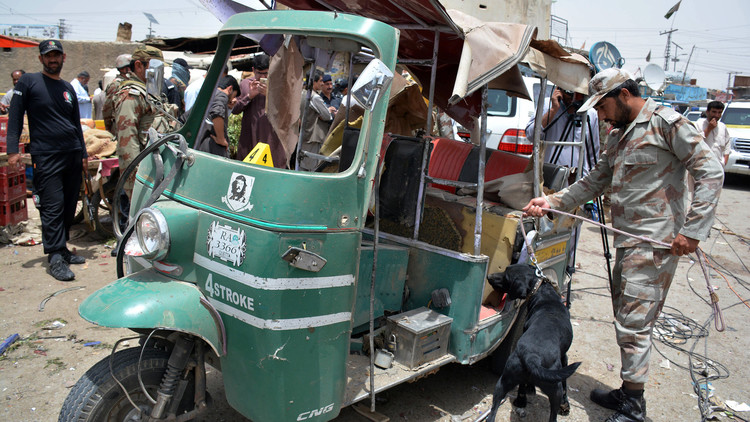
(58, 152)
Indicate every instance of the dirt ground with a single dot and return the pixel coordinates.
(57, 346)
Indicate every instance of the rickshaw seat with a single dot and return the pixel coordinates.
(457, 160)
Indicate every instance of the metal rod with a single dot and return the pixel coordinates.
(408, 13)
(375, 244)
(480, 174)
(426, 145)
(537, 136)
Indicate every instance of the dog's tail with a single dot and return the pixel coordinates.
(533, 364)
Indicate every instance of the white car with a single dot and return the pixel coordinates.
(737, 118)
(507, 118)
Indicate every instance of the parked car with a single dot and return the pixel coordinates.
(737, 118)
(507, 118)
(693, 115)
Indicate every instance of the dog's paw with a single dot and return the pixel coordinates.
(520, 401)
(564, 409)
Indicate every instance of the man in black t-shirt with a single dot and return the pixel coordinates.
(58, 151)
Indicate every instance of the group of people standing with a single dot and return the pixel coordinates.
(248, 98)
(58, 151)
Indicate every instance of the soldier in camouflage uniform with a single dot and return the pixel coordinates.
(646, 158)
(108, 110)
(133, 114)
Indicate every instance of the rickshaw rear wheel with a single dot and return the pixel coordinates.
(500, 356)
(98, 397)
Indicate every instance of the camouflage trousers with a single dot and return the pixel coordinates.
(640, 281)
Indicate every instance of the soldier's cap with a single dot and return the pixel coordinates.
(602, 84)
(49, 45)
(146, 52)
(123, 60)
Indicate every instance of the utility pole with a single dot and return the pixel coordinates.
(688, 64)
(666, 50)
(675, 59)
(62, 29)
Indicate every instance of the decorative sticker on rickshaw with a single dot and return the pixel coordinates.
(226, 243)
(238, 192)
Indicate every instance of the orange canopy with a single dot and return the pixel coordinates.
(10, 42)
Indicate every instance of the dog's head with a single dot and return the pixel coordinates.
(518, 280)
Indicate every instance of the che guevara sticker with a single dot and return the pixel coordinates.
(238, 192)
(226, 243)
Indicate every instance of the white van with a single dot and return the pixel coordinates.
(737, 118)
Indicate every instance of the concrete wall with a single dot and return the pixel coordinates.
(90, 56)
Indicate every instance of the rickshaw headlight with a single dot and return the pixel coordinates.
(153, 233)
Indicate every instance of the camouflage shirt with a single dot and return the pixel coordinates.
(108, 110)
(645, 163)
(133, 117)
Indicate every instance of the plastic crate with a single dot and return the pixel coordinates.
(12, 185)
(13, 211)
(3, 127)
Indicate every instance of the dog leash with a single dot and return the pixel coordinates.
(718, 314)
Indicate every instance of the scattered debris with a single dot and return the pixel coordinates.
(91, 343)
(8, 341)
(46, 299)
(737, 407)
(665, 364)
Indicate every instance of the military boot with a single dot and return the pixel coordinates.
(612, 399)
(632, 409)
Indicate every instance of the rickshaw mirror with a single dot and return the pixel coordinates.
(155, 77)
(372, 84)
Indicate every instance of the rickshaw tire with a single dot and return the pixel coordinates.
(500, 356)
(97, 396)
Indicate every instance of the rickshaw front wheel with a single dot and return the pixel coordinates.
(98, 397)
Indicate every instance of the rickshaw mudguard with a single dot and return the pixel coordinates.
(147, 300)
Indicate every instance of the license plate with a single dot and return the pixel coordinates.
(550, 251)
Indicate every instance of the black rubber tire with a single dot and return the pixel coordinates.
(502, 353)
(96, 397)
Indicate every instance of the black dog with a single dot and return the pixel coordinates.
(540, 358)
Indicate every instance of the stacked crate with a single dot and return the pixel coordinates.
(12, 185)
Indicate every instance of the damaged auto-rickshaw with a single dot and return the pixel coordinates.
(313, 290)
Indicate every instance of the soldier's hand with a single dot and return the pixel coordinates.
(535, 207)
(683, 245)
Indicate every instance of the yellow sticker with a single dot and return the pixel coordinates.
(261, 155)
(550, 251)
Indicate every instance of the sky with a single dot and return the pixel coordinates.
(719, 29)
